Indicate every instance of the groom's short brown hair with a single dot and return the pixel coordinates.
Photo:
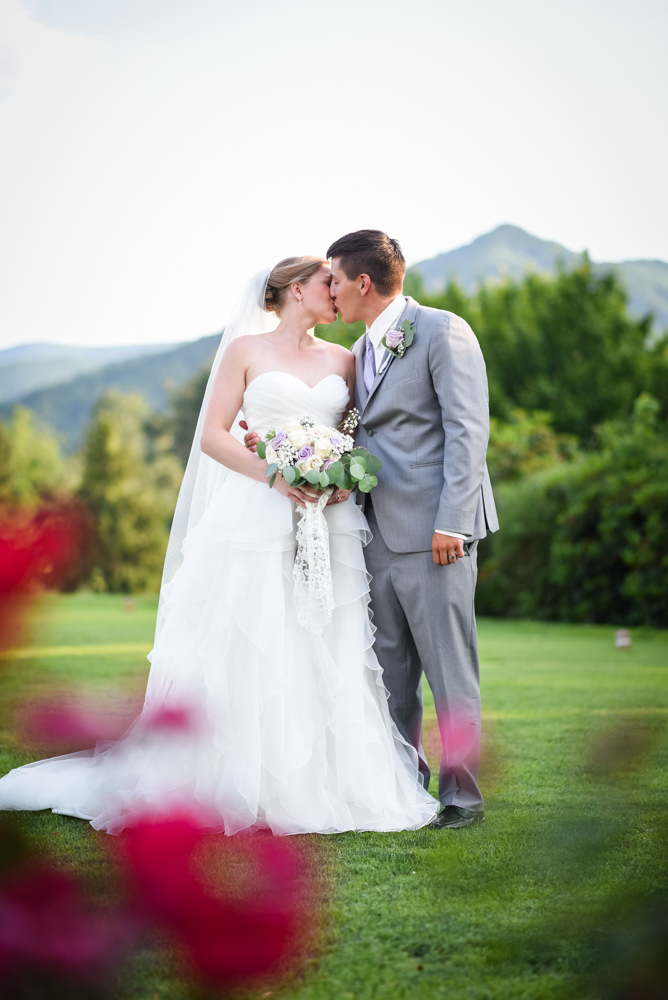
(372, 252)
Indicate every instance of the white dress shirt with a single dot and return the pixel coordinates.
(382, 324)
(375, 333)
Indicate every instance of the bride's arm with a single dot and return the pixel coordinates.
(224, 404)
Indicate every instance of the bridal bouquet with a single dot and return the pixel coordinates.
(305, 452)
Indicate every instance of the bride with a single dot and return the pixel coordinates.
(293, 732)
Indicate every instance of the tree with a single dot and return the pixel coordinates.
(524, 444)
(564, 345)
(131, 498)
(31, 465)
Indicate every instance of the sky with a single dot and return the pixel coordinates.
(156, 153)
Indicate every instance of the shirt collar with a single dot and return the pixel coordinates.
(384, 322)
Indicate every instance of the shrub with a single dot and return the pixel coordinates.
(587, 539)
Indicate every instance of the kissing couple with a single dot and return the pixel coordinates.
(300, 730)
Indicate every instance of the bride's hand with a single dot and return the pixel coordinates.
(294, 492)
(251, 439)
(339, 496)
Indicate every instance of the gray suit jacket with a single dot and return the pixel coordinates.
(427, 418)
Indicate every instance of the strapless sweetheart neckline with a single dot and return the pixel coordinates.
(297, 378)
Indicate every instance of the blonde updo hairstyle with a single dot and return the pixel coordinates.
(286, 273)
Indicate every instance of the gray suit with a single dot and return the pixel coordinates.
(427, 418)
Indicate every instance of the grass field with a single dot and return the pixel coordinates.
(539, 902)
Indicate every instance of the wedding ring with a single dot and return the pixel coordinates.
(452, 558)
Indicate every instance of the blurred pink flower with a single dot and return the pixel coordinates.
(460, 736)
(65, 722)
(43, 549)
(228, 939)
(175, 717)
(48, 929)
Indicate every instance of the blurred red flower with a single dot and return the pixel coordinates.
(66, 722)
(229, 939)
(49, 932)
(43, 549)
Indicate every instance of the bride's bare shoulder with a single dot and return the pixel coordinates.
(341, 357)
(336, 351)
(242, 349)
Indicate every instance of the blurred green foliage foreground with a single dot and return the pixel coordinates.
(562, 893)
(578, 457)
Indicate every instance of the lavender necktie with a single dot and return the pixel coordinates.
(369, 364)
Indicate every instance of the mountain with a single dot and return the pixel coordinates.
(510, 252)
(30, 367)
(66, 407)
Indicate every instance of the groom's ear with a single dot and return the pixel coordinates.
(365, 284)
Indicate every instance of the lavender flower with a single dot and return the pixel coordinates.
(305, 452)
(393, 338)
(279, 439)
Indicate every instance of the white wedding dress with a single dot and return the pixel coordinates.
(294, 732)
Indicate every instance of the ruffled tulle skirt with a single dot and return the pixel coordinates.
(289, 730)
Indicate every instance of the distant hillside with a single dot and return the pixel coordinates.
(30, 367)
(510, 252)
(67, 407)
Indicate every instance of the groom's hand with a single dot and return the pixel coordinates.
(446, 550)
(251, 439)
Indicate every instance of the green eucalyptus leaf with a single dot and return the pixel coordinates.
(367, 484)
(313, 476)
(357, 471)
(290, 473)
(324, 480)
(408, 332)
(373, 464)
(271, 469)
(272, 480)
(335, 470)
(262, 449)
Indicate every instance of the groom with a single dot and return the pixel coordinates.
(424, 412)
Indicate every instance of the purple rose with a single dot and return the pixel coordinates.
(305, 452)
(279, 439)
(336, 443)
(327, 464)
(393, 338)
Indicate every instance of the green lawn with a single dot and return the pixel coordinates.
(537, 903)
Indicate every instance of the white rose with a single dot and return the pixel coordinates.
(293, 425)
(314, 462)
(297, 438)
(323, 447)
(271, 455)
(303, 467)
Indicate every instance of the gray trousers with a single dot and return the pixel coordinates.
(425, 621)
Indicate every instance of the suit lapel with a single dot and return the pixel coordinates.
(408, 314)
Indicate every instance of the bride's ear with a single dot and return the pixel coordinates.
(296, 290)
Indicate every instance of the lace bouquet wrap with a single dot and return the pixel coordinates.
(321, 458)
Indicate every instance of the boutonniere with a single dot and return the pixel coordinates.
(397, 342)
